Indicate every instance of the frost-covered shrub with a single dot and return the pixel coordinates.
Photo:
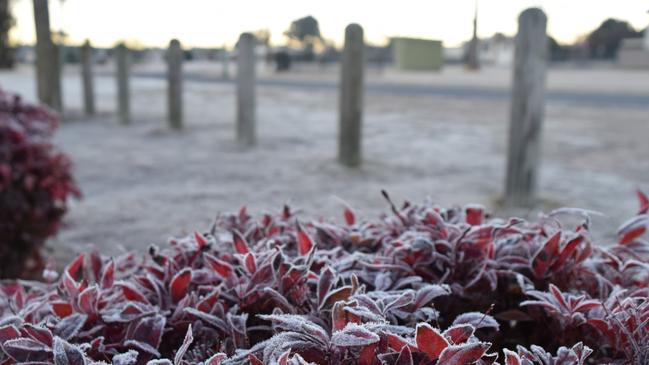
(423, 285)
(35, 183)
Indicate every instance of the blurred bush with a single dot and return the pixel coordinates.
(35, 185)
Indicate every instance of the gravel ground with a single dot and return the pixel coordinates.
(143, 183)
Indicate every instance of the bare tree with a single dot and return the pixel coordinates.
(6, 23)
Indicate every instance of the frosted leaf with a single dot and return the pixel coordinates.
(463, 354)
(143, 347)
(354, 335)
(69, 326)
(67, 354)
(298, 324)
(23, 345)
(159, 362)
(477, 320)
(189, 338)
(127, 358)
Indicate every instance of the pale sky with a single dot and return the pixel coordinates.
(212, 23)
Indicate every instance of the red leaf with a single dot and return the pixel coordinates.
(74, 268)
(546, 255)
(254, 360)
(631, 235)
(587, 305)
(132, 293)
(147, 333)
(180, 284)
(8, 333)
(567, 251)
(243, 215)
(644, 202)
(463, 354)
(61, 309)
(397, 343)
(325, 283)
(200, 240)
(304, 242)
(88, 300)
(335, 296)
(240, 244)
(405, 357)
(350, 217)
(367, 355)
(633, 228)
(207, 303)
(558, 295)
(430, 341)
(107, 277)
(251, 265)
(223, 268)
(70, 285)
(511, 358)
(40, 334)
(474, 215)
(338, 317)
(459, 333)
(283, 358)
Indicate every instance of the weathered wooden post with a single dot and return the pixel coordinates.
(528, 99)
(351, 97)
(48, 71)
(246, 112)
(225, 58)
(123, 92)
(87, 78)
(175, 86)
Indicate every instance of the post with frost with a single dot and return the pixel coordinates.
(123, 92)
(87, 78)
(351, 97)
(527, 109)
(48, 70)
(246, 90)
(175, 85)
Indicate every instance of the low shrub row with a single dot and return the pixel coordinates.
(421, 285)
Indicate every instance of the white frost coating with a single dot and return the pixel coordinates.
(143, 184)
(127, 358)
(354, 335)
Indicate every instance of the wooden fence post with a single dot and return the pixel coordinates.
(225, 59)
(123, 92)
(175, 86)
(87, 78)
(351, 97)
(527, 109)
(48, 71)
(246, 90)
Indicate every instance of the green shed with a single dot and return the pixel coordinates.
(412, 54)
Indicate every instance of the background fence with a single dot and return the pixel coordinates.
(527, 101)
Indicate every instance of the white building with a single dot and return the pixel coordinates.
(634, 52)
(496, 51)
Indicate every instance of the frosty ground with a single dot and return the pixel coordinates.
(143, 183)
